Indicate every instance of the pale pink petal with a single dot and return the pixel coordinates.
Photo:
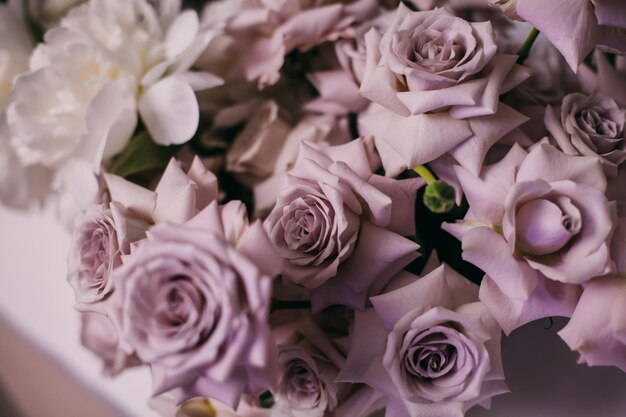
(444, 287)
(489, 251)
(549, 298)
(378, 83)
(132, 196)
(547, 163)
(487, 131)
(577, 32)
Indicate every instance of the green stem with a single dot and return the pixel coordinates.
(425, 173)
(524, 51)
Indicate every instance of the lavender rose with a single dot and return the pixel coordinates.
(435, 82)
(102, 234)
(309, 359)
(432, 60)
(438, 356)
(536, 217)
(589, 126)
(339, 227)
(192, 302)
(304, 388)
(429, 347)
(105, 232)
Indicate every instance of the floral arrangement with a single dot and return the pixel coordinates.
(314, 208)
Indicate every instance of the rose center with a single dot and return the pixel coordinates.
(181, 303)
(545, 226)
(593, 121)
(304, 386)
(95, 257)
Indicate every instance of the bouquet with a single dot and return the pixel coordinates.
(314, 208)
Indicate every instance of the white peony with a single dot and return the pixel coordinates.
(107, 60)
(18, 185)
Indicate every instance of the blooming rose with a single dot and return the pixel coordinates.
(192, 301)
(575, 27)
(597, 329)
(104, 232)
(429, 347)
(535, 217)
(589, 126)
(435, 75)
(339, 228)
(427, 61)
(309, 359)
(99, 335)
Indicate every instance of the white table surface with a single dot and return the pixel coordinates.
(36, 301)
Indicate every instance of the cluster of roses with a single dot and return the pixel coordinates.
(245, 185)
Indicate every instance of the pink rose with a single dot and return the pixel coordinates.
(428, 61)
(102, 234)
(535, 217)
(310, 358)
(430, 347)
(436, 80)
(575, 27)
(589, 126)
(105, 232)
(192, 301)
(597, 329)
(339, 228)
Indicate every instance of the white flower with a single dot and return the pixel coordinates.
(106, 60)
(18, 185)
(54, 106)
(161, 52)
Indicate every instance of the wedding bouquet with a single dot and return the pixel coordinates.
(316, 208)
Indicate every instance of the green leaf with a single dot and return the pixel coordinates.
(141, 154)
